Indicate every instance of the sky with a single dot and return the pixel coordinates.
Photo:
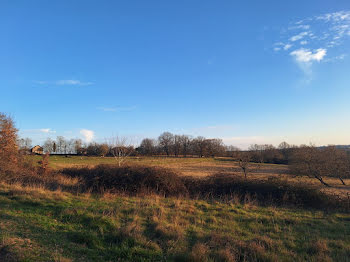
(244, 71)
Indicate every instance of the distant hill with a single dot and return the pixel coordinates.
(345, 147)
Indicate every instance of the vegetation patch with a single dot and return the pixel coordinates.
(153, 228)
(129, 179)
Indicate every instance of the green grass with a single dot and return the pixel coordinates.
(40, 225)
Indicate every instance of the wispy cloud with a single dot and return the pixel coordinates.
(312, 39)
(42, 130)
(73, 82)
(298, 36)
(88, 135)
(287, 46)
(117, 108)
(66, 82)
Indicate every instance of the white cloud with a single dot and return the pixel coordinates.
(287, 46)
(47, 130)
(87, 134)
(73, 82)
(336, 58)
(335, 17)
(68, 82)
(306, 56)
(298, 36)
(42, 130)
(299, 26)
(327, 32)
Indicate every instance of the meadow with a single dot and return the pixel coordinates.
(41, 225)
(39, 222)
(202, 167)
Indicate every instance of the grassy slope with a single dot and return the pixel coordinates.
(39, 225)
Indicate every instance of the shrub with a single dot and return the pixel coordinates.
(134, 180)
(129, 179)
(276, 191)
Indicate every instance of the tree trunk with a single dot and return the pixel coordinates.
(245, 173)
(321, 180)
(342, 181)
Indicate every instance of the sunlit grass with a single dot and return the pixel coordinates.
(40, 225)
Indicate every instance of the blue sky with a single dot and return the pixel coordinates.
(244, 71)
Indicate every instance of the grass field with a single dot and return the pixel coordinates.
(40, 225)
(200, 167)
(37, 224)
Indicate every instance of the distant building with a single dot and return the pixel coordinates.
(38, 150)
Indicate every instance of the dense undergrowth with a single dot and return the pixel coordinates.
(136, 180)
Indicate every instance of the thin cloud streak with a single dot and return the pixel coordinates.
(67, 82)
(117, 109)
(42, 130)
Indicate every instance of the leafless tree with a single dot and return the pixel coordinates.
(336, 163)
(309, 161)
(148, 147)
(24, 143)
(244, 161)
(232, 151)
(103, 150)
(185, 142)
(120, 148)
(49, 145)
(214, 147)
(166, 141)
(177, 145)
(61, 144)
(78, 147)
(199, 146)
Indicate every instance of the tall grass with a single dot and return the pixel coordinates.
(138, 180)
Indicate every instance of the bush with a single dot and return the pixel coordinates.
(129, 179)
(134, 180)
(272, 191)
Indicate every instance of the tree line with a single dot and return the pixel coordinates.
(167, 144)
(305, 160)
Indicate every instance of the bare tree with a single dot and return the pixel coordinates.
(49, 145)
(244, 161)
(103, 150)
(199, 146)
(285, 150)
(166, 141)
(337, 163)
(120, 148)
(78, 147)
(25, 143)
(214, 147)
(61, 144)
(177, 145)
(148, 147)
(185, 142)
(232, 151)
(309, 161)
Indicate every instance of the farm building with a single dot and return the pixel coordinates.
(38, 150)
